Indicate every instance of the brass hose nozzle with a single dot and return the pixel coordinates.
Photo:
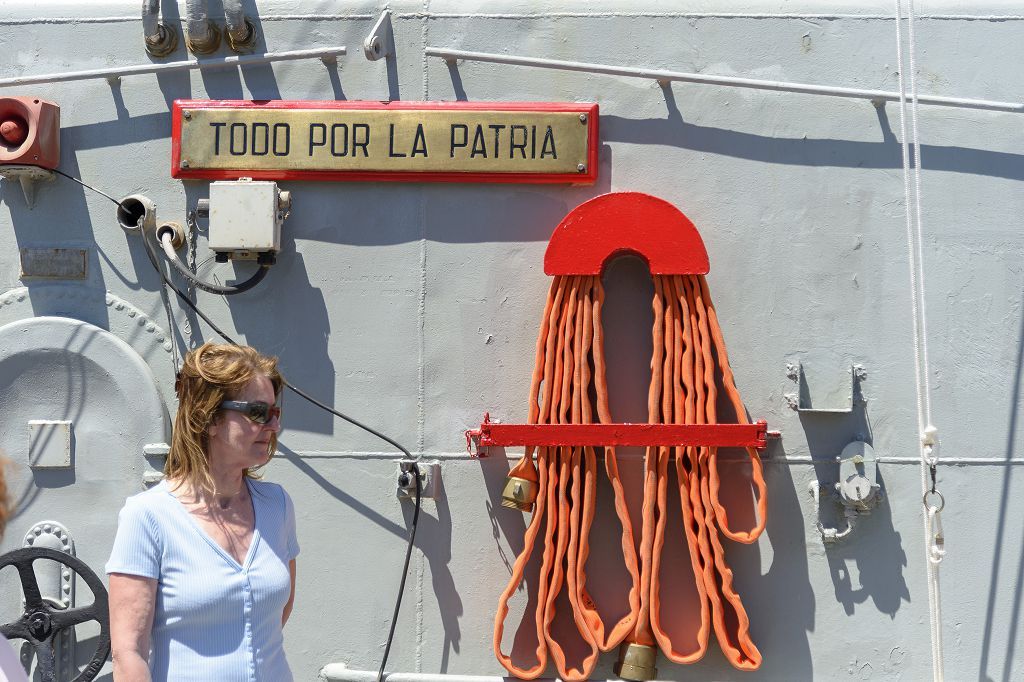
(519, 493)
(636, 662)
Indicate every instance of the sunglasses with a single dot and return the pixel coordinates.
(257, 411)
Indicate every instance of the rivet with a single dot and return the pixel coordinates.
(184, 163)
(583, 118)
(150, 327)
(186, 114)
(67, 588)
(30, 538)
(132, 313)
(47, 529)
(66, 575)
(582, 168)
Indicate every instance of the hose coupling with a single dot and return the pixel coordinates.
(636, 662)
(519, 493)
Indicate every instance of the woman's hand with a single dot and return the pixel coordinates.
(132, 601)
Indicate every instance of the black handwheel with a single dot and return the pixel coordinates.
(41, 623)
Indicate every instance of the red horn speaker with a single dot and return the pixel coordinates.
(29, 132)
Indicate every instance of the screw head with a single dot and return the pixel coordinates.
(582, 168)
(186, 114)
(184, 163)
(583, 118)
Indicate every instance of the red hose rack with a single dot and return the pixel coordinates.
(590, 236)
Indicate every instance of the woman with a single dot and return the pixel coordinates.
(202, 574)
(10, 666)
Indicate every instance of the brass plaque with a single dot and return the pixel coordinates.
(442, 140)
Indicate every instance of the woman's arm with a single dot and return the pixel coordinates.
(291, 597)
(132, 601)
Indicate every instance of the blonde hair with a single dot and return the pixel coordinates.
(210, 375)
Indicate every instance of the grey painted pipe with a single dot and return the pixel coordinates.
(234, 20)
(151, 20)
(159, 38)
(195, 18)
(202, 36)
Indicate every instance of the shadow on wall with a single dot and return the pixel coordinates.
(433, 540)
(875, 547)
(1002, 547)
(675, 131)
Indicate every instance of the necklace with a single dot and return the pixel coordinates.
(225, 502)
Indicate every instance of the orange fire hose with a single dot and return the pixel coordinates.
(689, 359)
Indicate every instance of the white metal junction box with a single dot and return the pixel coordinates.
(246, 217)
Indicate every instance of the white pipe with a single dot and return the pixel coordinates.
(337, 672)
(216, 63)
(729, 81)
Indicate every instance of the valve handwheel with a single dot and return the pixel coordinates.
(41, 622)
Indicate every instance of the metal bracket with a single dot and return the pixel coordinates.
(801, 400)
(381, 41)
(430, 479)
(856, 492)
(57, 587)
(28, 176)
(153, 452)
(493, 433)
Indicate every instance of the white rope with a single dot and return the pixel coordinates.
(934, 537)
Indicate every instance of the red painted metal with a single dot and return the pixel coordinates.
(30, 129)
(553, 435)
(588, 177)
(626, 222)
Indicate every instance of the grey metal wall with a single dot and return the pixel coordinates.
(414, 306)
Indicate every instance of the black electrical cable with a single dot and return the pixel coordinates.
(224, 290)
(413, 468)
(98, 191)
(415, 472)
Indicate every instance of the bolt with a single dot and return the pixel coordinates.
(582, 168)
(583, 118)
(186, 114)
(858, 459)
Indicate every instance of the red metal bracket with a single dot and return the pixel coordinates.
(626, 222)
(553, 435)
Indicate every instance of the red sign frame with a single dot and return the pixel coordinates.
(588, 176)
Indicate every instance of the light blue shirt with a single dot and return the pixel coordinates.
(214, 619)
